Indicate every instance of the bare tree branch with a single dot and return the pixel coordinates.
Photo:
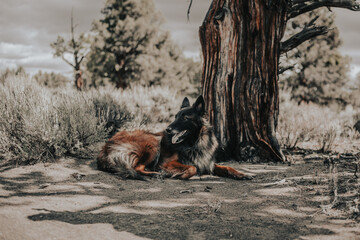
(284, 69)
(188, 11)
(309, 31)
(82, 58)
(63, 58)
(299, 7)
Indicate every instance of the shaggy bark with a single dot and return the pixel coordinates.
(241, 48)
(241, 44)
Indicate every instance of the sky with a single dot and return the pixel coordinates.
(29, 26)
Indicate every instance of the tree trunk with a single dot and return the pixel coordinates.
(79, 82)
(120, 83)
(241, 48)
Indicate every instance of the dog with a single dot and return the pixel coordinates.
(186, 148)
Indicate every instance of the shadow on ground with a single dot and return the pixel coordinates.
(71, 199)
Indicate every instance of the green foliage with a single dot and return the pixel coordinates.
(320, 71)
(129, 47)
(51, 80)
(39, 124)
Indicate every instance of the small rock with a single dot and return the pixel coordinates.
(78, 176)
(186, 191)
(42, 186)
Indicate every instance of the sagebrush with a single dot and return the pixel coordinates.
(316, 127)
(40, 124)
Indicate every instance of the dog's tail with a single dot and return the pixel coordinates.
(120, 164)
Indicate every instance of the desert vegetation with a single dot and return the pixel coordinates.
(135, 76)
(41, 124)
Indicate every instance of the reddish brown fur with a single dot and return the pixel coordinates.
(229, 172)
(145, 146)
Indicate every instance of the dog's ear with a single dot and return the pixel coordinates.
(185, 103)
(199, 105)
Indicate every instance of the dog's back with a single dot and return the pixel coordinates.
(127, 153)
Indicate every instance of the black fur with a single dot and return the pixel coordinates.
(198, 145)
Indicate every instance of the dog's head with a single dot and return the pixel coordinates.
(188, 122)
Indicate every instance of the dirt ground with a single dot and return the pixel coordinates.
(70, 199)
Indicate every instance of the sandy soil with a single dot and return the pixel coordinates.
(70, 199)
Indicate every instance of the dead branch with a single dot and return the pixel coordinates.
(310, 31)
(188, 11)
(65, 60)
(284, 69)
(299, 7)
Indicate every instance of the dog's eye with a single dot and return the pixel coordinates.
(184, 117)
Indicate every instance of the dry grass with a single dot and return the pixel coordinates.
(38, 124)
(315, 127)
(41, 124)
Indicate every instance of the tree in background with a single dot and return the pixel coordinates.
(51, 80)
(77, 47)
(129, 47)
(318, 70)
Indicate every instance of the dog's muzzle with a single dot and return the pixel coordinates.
(179, 137)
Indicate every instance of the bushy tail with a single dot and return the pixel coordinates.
(119, 168)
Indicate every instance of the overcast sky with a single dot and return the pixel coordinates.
(29, 26)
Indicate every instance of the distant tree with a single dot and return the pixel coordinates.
(318, 70)
(129, 47)
(51, 80)
(77, 47)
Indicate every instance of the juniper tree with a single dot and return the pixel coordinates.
(130, 47)
(241, 44)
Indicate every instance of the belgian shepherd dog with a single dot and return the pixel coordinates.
(187, 147)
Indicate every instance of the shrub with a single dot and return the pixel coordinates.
(317, 127)
(37, 125)
(40, 124)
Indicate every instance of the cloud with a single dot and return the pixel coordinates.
(28, 28)
(31, 58)
(348, 23)
(15, 51)
(184, 32)
(38, 22)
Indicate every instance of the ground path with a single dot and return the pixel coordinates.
(72, 200)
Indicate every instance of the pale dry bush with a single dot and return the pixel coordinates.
(40, 124)
(152, 108)
(316, 127)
